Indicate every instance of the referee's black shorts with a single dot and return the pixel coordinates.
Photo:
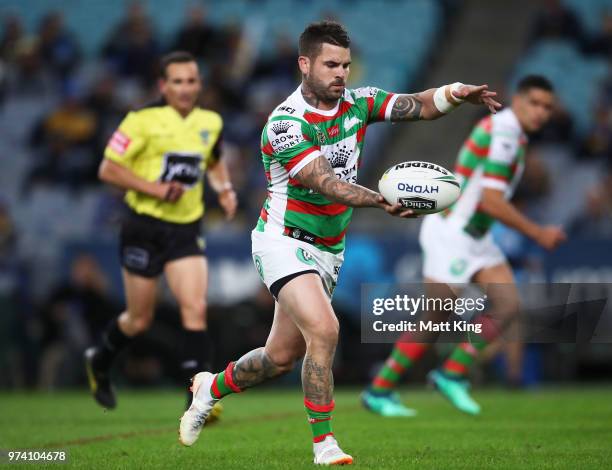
(147, 244)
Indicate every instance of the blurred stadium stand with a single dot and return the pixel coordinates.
(69, 70)
(577, 77)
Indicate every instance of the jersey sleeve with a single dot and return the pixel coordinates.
(503, 151)
(379, 102)
(215, 152)
(291, 142)
(214, 124)
(126, 142)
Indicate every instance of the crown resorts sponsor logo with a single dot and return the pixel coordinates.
(280, 127)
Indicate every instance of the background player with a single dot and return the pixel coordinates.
(458, 247)
(311, 148)
(159, 155)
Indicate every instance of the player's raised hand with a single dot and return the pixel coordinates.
(396, 210)
(550, 237)
(478, 95)
(229, 202)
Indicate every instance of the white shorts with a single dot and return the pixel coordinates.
(277, 256)
(452, 256)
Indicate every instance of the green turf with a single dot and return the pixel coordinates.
(267, 429)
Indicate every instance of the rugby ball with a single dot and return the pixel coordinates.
(424, 187)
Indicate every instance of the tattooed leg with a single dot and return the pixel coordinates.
(255, 367)
(317, 379)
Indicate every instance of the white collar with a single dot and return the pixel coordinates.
(298, 95)
(515, 120)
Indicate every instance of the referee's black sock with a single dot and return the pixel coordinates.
(195, 353)
(113, 341)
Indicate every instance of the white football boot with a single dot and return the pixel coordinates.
(327, 452)
(194, 418)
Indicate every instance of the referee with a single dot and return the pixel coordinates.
(159, 155)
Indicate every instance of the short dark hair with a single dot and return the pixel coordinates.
(175, 57)
(322, 32)
(534, 81)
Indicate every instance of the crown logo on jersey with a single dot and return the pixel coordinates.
(340, 156)
(281, 127)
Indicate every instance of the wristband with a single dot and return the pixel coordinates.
(444, 100)
(227, 186)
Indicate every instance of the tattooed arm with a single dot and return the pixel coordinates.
(415, 107)
(319, 176)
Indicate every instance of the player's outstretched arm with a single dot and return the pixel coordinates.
(436, 102)
(113, 173)
(319, 176)
(494, 203)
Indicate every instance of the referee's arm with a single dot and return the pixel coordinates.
(219, 179)
(118, 175)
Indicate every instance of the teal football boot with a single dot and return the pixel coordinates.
(455, 390)
(387, 405)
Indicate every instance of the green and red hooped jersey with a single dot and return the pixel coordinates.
(493, 156)
(295, 135)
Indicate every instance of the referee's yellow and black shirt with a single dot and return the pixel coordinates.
(158, 144)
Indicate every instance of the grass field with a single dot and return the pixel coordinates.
(267, 429)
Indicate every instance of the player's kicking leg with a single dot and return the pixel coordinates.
(284, 346)
(140, 297)
(299, 327)
(451, 378)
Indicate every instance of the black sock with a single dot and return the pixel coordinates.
(195, 354)
(113, 341)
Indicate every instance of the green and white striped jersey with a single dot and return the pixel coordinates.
(296, 134)
(493, 156)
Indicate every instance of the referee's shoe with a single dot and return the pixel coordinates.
(99, 381)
